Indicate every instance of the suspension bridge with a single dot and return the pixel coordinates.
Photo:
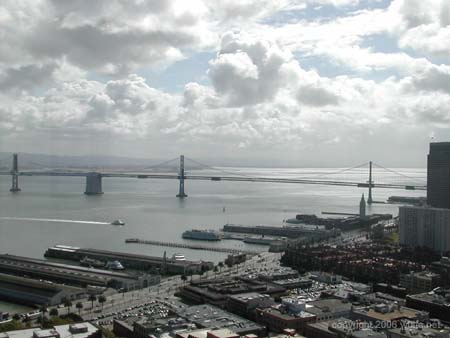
(367, 175)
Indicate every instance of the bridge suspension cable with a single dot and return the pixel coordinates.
(162, 164)
(399, 173)
(217, 169)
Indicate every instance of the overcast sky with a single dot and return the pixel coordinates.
(273, 82)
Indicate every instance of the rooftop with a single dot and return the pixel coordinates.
(391, 314)
(208, 316)
(80, 330)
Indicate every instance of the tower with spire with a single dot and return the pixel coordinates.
(362, 208)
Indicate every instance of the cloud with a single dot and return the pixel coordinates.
(248, 71)
(423, 25)
(110, 37)
(27, 76)
(82, 73)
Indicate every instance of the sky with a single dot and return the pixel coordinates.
(252, 82)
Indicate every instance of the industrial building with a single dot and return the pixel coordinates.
(128, 260)
(33, 292)
(425, 227)
(73, 275)
(438, 175)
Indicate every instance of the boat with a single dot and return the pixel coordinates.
(114, 265)
(203, 235)
(118, 222)
(178, 257)
(86, 261)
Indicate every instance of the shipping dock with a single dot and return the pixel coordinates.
(283, 231)
(191, 246)
(128, 260)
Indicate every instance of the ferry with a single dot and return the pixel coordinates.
(114, 265)
(178, 257)
(118, 222)
(203, 235)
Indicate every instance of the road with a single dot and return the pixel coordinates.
(129, 302)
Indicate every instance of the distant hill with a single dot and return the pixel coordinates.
(43, 161)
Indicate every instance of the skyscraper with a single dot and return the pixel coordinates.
(425, 227)
(438, 180)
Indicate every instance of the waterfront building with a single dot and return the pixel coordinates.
(34, 292)
(129, 260)
(425, 227)
(74, 275)
(438, 177)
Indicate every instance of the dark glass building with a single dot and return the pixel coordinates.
(438, 180)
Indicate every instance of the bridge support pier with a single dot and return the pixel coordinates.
(181, 177)
(369, 198)
(14, 174)
(93, 184)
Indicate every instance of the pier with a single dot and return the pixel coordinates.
(190, 246)
(129, 260)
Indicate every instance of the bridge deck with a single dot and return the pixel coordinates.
(220, 178)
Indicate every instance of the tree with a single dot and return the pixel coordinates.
(102, 300)
(92, 299)
(44, 310)
(184, 279)
(220, 266)
(16, 316)
(79, 306)
(53, 312)
(68, 304)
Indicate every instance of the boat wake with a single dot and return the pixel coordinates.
(49, 220)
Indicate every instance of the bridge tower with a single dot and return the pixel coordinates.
(181, 177)
(94, 184)
(369, 198)
(15, 174)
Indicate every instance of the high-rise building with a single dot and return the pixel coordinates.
(425, 227)
(438, 180)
